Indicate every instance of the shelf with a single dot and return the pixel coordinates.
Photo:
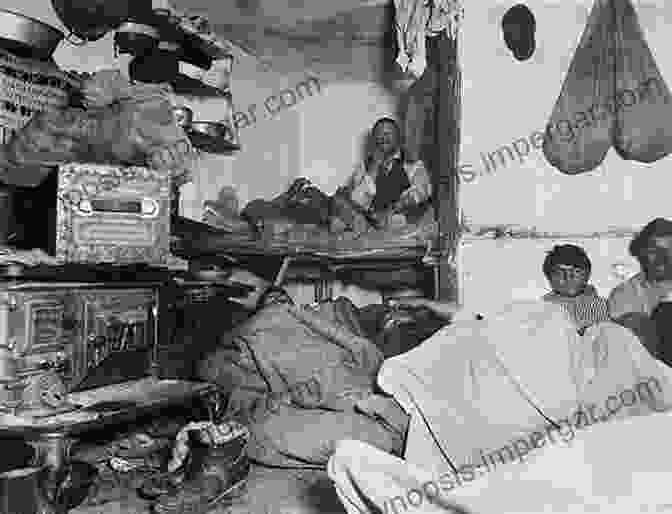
(187, 86)
(196, 49)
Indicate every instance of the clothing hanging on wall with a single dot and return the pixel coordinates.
(417, 19)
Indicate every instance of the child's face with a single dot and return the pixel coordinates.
(567, 280)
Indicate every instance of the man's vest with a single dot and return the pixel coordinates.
(389, 185)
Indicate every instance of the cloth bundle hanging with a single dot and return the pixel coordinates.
(136, 129)
(417, 19)
(613, 95)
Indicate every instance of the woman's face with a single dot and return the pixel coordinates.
(567, 280)
(656, 259)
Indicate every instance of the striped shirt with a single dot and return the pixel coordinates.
(585, 309)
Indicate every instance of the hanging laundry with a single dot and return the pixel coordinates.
(418, 119)
(417, 19)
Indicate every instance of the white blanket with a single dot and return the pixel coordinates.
(608, 468)
(477, 388)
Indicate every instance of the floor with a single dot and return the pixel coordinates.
(269, 491)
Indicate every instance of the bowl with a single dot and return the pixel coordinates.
(212, 137)
(28, 37)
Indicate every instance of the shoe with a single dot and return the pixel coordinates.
(157, 486)
(214, 485)
(213, 472)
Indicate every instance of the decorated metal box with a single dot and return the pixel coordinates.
(113, 214)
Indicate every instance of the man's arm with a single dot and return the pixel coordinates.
(359, 187)
(625, 300)
(421, 186)
(450, 311)
(353, 180)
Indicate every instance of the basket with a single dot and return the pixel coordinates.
(28, 87)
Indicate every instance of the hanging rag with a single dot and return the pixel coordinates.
(417, 19)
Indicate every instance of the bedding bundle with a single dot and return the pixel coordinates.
(303, 379)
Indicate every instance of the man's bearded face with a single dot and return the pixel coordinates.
(386, 138)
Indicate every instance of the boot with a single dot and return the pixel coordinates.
(213, 474)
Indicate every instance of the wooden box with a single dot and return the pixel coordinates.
(112, 214)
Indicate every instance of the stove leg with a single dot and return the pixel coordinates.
(52, 450)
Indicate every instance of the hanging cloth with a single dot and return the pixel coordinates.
(613, 94)
(417, 19)
(643, 128)
(579, 132)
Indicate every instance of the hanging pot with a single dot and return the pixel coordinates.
(157, 67)
(213, 137)
(136, 38)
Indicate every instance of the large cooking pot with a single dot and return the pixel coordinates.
(90, 20)
(28, 37)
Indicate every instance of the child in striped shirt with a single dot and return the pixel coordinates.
(567, 269)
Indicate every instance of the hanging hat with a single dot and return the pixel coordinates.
(519, 26)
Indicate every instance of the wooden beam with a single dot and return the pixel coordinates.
(444, 162)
